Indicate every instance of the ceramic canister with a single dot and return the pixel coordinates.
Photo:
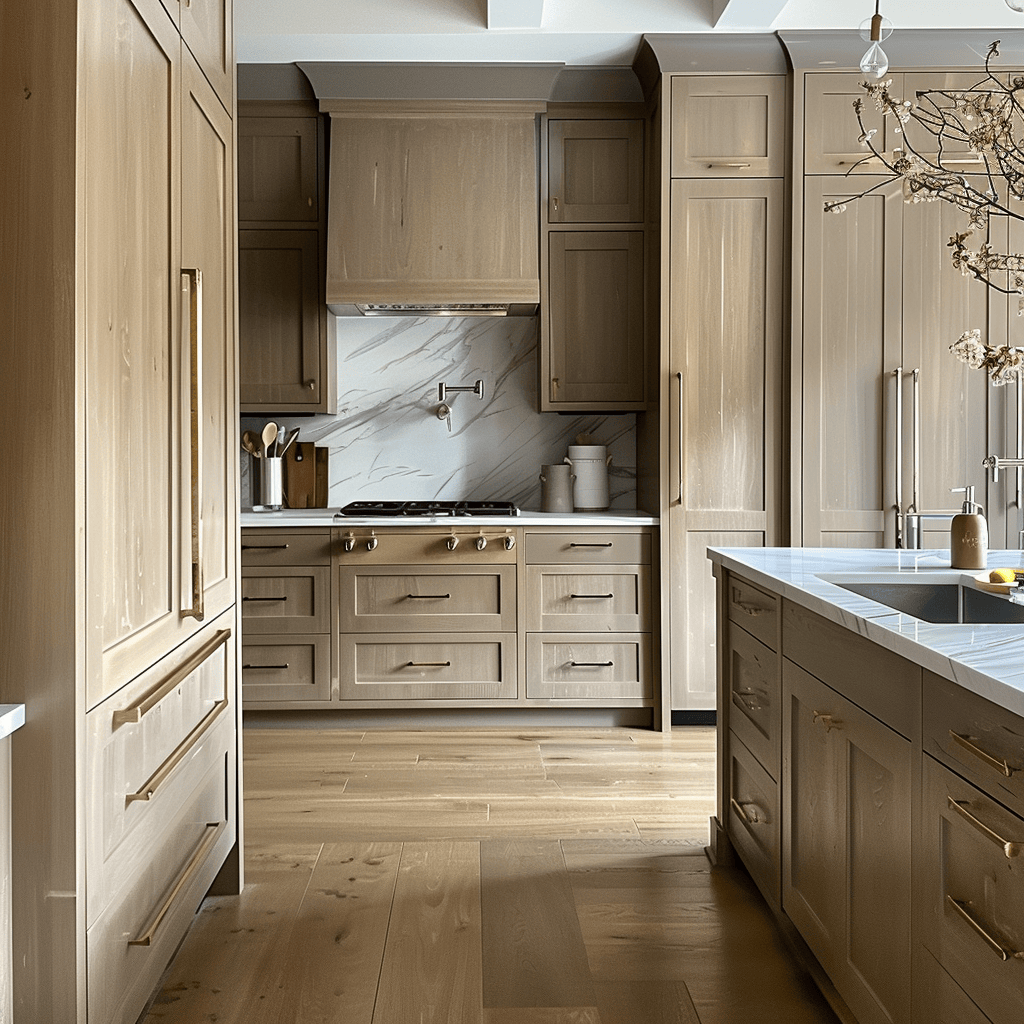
(556, 488)
(590, 464)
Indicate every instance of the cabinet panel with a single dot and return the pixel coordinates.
(756, 611)
(595, 171)
(595, 320)
(559, 599)
(277, 169)
(588, 548)
(286, 600)
(279, 547)
(207, 28)
(728, 126)
(286, 667)
(588, 667)
(279, 320)
(756, 699)
(754, 820)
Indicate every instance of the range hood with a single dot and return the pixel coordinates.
(432, 190)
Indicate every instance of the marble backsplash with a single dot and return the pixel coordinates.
(387, 444)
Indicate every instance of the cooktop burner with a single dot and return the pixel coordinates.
(429, 508)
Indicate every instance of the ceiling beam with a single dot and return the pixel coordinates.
(745, 13)
(514, 13)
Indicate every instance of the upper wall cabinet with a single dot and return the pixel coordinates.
(207, 28)
(595, 171)
(277, 169)
(728, 126)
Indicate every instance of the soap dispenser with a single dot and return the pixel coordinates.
(968, 534)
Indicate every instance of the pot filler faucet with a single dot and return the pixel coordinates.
(444, 410)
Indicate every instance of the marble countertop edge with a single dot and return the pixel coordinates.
(987, 659)
(12, 718)
(526, 517)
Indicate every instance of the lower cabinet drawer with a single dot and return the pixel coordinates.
(754, 819)
(286, 667)
(755, 712)
(974, 881)
(615, 599)
(129, 946)
(478, 666)
(581, 666)
(146, 749)
(578, 547)
(286, 600)
(938, 999)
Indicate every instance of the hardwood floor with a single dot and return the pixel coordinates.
(483, 877)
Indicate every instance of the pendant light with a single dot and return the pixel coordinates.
(874, 62)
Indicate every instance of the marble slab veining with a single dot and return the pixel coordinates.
(387, 444)
(987, 659)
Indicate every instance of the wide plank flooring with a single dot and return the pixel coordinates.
(483, 877)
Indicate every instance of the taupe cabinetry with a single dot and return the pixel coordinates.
(207, 28)
(286, 361)
(593, 324)
(122, 642)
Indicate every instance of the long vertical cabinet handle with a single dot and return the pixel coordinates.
(679, 437)
(900, 521)
(915, 486)
(192, 288)
(1020, 445)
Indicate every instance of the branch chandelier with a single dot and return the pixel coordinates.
(985, 123)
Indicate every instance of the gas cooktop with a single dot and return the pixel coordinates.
(429, 508)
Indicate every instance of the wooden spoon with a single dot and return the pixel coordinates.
(269, 437)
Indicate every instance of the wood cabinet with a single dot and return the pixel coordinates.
(287, 351)
(122, 641)
(594, 282)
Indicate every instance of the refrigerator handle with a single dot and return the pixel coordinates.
(898, 375)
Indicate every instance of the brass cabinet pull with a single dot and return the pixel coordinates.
(829, 721)
(997, 947)
(1001, 766)
(1010, 848)
(135, 713)
(428, 597)
(591, 597)
(276, 668)
(756, 817)
(284, 598)
(428, 664)
(163, 773)
(264, 547)
(213, 831)
(750, 699)
(752, 610)
(591, 664)
(192, 285)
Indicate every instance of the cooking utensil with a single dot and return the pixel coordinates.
(251, 443)
(282, 448)
(269, 436)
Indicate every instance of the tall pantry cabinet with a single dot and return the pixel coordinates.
(119, 545)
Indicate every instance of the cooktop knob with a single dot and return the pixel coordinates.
(452, 542)
(350, 543)
(371, 543)
(510, 542)
(481, 543)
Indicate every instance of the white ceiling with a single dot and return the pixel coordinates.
(575, 32)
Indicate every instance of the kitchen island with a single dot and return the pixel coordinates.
(871, 773)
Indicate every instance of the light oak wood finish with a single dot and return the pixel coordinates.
(588, 667)
(286, 599)
(550, 907)
(616, 599)
(285, 666)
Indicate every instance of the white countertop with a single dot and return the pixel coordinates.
(328, 517)
(985, 659)
(12, 716)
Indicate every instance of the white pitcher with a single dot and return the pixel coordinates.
(590, 463)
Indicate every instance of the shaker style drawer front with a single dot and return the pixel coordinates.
(755, 711)
(409, 599)
(754, 818)
(413, 668)
(976, 738)
(130, 944)
(276, 547)
(975, 887)
(589, 548)
(146, 747)
(754, 610)
(285, 667)
(592, 667)
(286, 600)
(613, 601)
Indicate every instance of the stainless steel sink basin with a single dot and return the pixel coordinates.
(935, 601)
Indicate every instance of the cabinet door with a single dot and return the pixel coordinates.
(724, 416)
(852, 323)
(279, 320)
(728, 126)
(206, 26)
(846, 853)
(595, 339)
(595, 171)
(277, 169)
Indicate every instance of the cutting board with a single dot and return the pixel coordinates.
(300, 475)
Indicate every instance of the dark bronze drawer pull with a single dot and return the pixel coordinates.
(591, 664)
(265, 598)
(428, 597)
(1003, 767)
(428, 664)
(963, 908)
(1009, 847)
(264, 547)
(592, 597)
(276, 668)
(593, 544)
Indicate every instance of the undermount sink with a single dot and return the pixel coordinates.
(931, 600)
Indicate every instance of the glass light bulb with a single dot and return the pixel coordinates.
(874, 62)
(1015, 5)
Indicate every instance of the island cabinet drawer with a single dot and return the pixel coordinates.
(976, 738)
(938, 999)
(754, 819)
(616, 599)
(129, 945)
(413, 599)
(411, 667)
(754, 610)
(755, 713)
(278, 547)
(286, 667)
(589, 548)
(974, 879)
(286, 599)
(146, 749)
(590, 667)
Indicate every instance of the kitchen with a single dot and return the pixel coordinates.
(787, 406)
